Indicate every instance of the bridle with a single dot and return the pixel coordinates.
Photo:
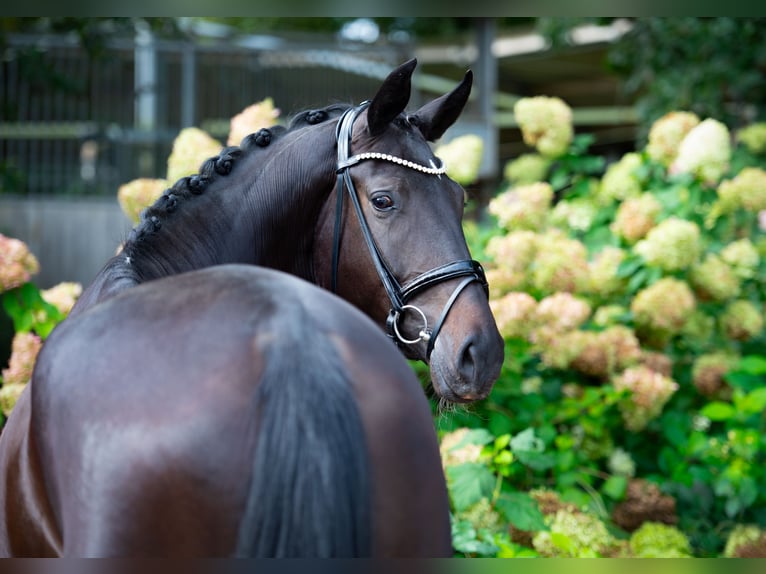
(398, 294)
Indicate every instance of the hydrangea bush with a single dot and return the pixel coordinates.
(628, 419)
(34, 314)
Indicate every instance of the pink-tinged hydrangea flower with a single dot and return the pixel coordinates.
(17, 264)
(753, 137)
(562, 311)
(742, 256)
(663, 306)
(514, 314)
(603, 279)
(705, 152)
(455, 450)
(462, 158)
(747, 191)
(649, 391)
(545, 123)
(24, 349)
(745, 541)
(191, 148)
(604, 352)
(574, 214)
(261, 114)
(137, 195)
(511, 255)
(503, 280)
(62, 296)
(561, 264)
(714, 280)
(620, 181)
(741, 320)
(635, 217)
(558, 349)
(516, 250)
(9, 395)
(527, 168)
(672, 245)
(708, 371)
(522, 207)
(667, 133)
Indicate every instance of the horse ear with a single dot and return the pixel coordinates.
(435, 117)
(391, 99)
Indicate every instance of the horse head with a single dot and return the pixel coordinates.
(416, 275)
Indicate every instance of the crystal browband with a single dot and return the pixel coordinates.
(393, 159)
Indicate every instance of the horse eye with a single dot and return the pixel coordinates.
(382, 202)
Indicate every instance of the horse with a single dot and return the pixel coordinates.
(232, 410)
(349, 198)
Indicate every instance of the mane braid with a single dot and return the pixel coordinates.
(186, 188)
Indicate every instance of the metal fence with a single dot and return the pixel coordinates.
(70, 124)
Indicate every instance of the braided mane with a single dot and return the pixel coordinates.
(214, 168)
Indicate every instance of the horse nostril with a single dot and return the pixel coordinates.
(467, 364)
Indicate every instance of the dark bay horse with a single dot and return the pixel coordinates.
(230, 410)
(349, 198)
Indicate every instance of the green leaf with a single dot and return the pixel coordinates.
(468, 483)
(526, 441)
(536, 460)
(521, 510)
(753, 365)
(718, 411)
(744, 380)
(754, 402)
(615, 487)
(629, 266)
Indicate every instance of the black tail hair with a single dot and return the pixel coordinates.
(310, 490)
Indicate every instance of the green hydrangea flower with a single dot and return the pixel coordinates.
(714, 279)
(664, 305)
(561, 264)
(137, 195)
(545, 123)
(747, 191)
(658, 540)
(741, 320)
(522, 207)
(621, 463)
(620, 181)
(603, 279)
(667, 133)
(742, 256)
(575, 214)
(754, 137)
(462, 158)
(574, 534)
(672, 245)
(527, 168)
(705, 152)
(191, 148)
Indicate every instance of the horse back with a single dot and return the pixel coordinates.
(147, 409)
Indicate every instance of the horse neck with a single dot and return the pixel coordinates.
(262, 213)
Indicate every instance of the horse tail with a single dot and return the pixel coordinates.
(310, 492)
